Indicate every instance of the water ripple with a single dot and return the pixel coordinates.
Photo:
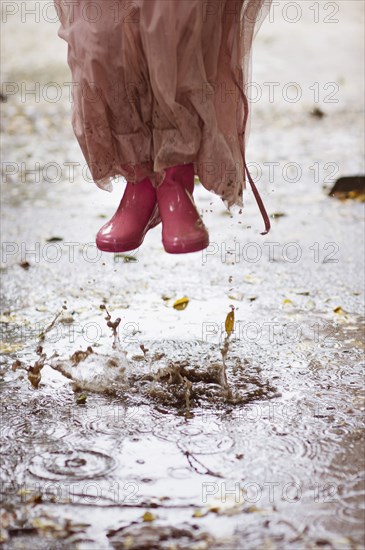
(75, 464)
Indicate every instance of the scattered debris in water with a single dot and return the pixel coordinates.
(165, 373)
(137, 536)
(54, 239)
(127, 259)
(317, 113)
(34, 371)
(113, 325)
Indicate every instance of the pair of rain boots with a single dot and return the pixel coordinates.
(143, 207)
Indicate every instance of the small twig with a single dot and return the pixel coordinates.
(113, 325)
(190, 456)
(50, 326)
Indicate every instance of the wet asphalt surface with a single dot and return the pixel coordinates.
(152, 443)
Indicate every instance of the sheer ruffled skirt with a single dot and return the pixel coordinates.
(157, 83)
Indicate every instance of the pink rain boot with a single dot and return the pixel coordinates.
(136, 214)
(182, 228)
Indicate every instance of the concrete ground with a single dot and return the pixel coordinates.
(152, 449)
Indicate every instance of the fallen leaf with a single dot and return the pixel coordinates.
(340, 311)
(125, 257)
(229, 324)
(181, 304)
(7, 318)
(250, 280)
(24, 492)
(287, 302)
(148, 516)
(346, 185)
(45, 524)
(54, 239)
(238, 296)
(356, 195)
(199, 513)
(35, 499)
(129, 259)
(351, 195)
(8, 347)
(81, 399)
(317, 113)
(254, 510)
(215, 509)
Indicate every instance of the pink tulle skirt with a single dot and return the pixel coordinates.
(157, 83)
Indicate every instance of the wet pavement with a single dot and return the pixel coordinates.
(173, 435)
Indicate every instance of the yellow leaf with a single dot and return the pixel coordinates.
(229, 324)
(249, 279)
(8, 347)
(236, 296)
(287, 302)
(81, 399)
(254, 510)
(148, 516)
(357, 195)
(24, 492)
(45, 524)
(199, 514)
(181, 303)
